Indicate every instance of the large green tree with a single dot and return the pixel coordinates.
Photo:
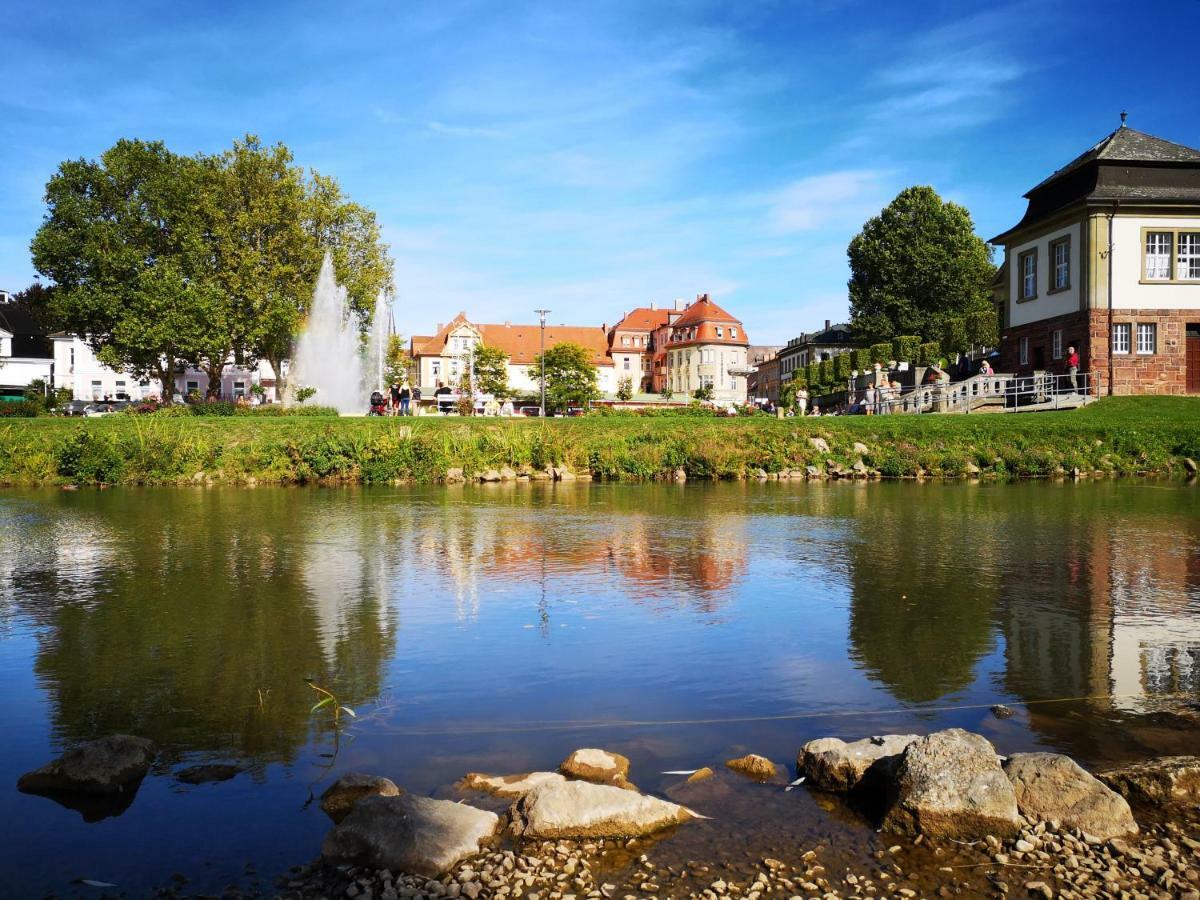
(126, 246)
(162, 260)
(570, 377)
(916, 264)
(491, 371)
(273, 227)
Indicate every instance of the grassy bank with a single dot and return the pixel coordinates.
(1117, 436)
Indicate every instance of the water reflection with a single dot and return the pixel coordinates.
(185, 620)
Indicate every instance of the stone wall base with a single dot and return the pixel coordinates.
(1162, 372)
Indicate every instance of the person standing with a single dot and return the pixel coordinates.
(394, 399)
(869, 398)
(1073, 368)
(801, 401)
(405, 397)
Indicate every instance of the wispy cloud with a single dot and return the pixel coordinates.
(833, 198)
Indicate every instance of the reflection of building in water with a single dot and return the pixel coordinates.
(693, 560)
(1115, 612)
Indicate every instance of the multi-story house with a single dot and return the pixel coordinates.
(1107, 260)
(812, 347)
(632, 343)
(444, 357)
(705, 347)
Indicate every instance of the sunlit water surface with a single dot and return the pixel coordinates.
(498, 628)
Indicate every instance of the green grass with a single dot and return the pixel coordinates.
(1118, 436)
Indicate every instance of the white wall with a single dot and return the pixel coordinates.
(1047, 305)
(1128, 292)
(21, 371)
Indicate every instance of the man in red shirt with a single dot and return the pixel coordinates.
(1073, 369)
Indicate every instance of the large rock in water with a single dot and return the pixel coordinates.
(949, 784)
(1052, 786)
(340, 797)
(833, 765)
(753, 766)
(598, 766)
(1165, 781)
(109, 765)
(579, 809)
(509, 785)
(417, 835)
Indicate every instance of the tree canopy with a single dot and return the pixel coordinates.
(491, 371)
(570, 378)
(915, 265)
(161, 260)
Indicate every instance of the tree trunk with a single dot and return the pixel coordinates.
(213, 371)
(280, 380)
(167, 378)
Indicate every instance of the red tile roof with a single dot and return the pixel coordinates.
(704, 310)
(522, 343)
(644, 319)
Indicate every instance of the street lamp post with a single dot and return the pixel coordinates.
(542, 314)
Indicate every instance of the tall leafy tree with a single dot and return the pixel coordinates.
(916, 264)
(570, 377)
(126, 246)
(396, 361)
(491, 371)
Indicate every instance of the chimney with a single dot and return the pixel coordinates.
(680, 305)
(702, 298)
(651, 306)
(827, 323)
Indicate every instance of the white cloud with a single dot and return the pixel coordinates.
(834, 198)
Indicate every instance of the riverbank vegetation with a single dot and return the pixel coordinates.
(1120, 436)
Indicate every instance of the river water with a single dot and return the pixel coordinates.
(497, 628)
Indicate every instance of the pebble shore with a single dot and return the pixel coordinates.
(1043, 861)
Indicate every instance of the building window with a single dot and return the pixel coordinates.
(1147, 337)
(193, 386)
(733, 333)
(97, 390)
(1056, 343)
(720, 332)
(239, 389)
(1189, 255)
(1024, 351)
(1028, 268)
(626, 363)
(624, 340)
(435, 368)
(1158, 256)
(1060, 252)
(1120, 338)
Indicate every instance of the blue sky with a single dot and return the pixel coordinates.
(592, 157)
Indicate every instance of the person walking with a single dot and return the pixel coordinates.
(405, 397)
(801, 401)
(869, 398)
(394, 399)
(1073, 368)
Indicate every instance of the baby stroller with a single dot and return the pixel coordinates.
(378, 405)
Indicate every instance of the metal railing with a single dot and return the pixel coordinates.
(1010, 393)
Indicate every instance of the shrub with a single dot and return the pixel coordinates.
(929, 353)
(858, 359)
(625, 388)
(825, 372)
(18, 409)
(879, 353)
(906, 347)
(841, 367)
(954, 335)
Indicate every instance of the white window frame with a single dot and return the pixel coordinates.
(733, 333)
(1158, 263)
(1187, 266)
(1056, 344)
(1028, 274)
(239, 389)
(189, 386)
(1121, 335)
(1061, 267)
(720, 332)
(1147, 338)
(1024, 348)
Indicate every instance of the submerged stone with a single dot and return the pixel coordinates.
(341, 796)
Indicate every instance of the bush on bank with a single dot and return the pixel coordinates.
(1121, 436)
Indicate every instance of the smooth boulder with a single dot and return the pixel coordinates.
(109, 765)
(949, 784)
(1169, 780)
(509, 785)
(417, 835)
(339, 798)
(831, 764)
(598, 766)
(1050, 786)
(580, 809)
(753, 766)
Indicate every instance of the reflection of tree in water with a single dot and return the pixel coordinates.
(921, 615)
(201, 626)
